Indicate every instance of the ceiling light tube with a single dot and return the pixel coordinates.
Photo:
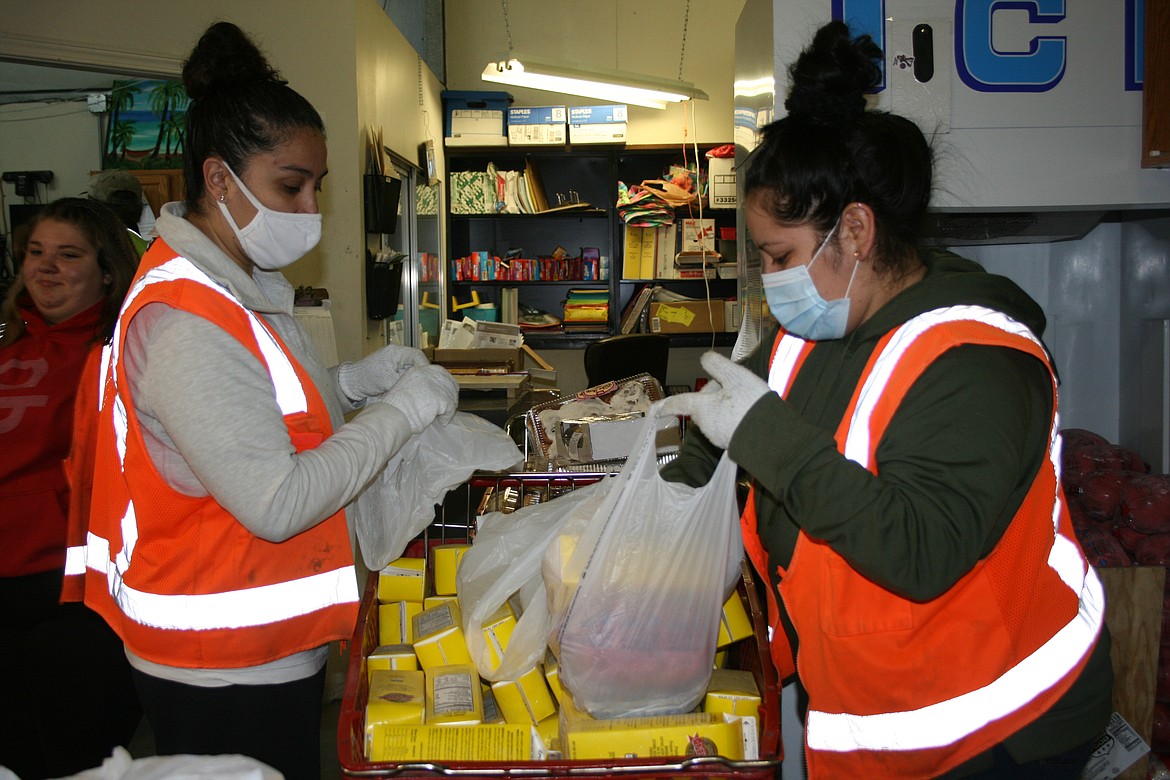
(523, 71)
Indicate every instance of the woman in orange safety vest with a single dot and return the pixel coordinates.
(901, 432)
(218, 544)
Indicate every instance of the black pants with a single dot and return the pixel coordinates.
(66, 696)
(279, 724)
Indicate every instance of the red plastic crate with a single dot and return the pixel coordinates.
(750, 654)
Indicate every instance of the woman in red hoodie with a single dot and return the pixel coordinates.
(68, 698)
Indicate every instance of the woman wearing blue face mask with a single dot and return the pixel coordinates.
(220, 545)
(924, 584)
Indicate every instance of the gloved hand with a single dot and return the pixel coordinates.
(376, 373)
(424, 394)
(723, 402)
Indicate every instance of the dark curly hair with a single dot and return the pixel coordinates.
(239, 106)
(830, 150)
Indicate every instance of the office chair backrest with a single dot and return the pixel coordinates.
(617, 357)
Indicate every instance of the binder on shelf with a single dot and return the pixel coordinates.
(535, 187)
(664, 251)
(632, 253)
(649, 247)
(633, 313)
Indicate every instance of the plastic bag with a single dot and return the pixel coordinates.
(505, 560)
(400, 502)
(636, 588)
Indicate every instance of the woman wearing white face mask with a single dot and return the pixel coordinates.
(218, 546)
(925, 588)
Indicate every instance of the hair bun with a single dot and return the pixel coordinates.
(225, 57)
(830, 78)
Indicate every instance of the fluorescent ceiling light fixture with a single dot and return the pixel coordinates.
(522, 71)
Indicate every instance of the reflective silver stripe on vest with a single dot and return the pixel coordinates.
(231, 609)
(948, 721)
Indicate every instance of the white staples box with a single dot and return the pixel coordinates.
(721, 175)
(597, 124)
(533, 125)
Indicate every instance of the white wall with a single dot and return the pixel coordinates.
(64, 138)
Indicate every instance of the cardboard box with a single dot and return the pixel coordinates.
(475, 118)
(388, 658)
(537, 125)
(687, 317)
(485, 742)
(527, 699)
(438, 637)
(395, 622)
(686, 735)
(404, 579)
(453, 696)
(487, 357)
(445, 558)
(734, 623)
(598, 124)
(734, 692)
(721, 182)
(491, 708)
(396, 697)
(434, 601)
(497, 630)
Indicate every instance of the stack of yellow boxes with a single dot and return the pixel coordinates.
(427, 702)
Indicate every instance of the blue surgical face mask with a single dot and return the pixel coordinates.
(797, 305)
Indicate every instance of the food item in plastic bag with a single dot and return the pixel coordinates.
(636, 608)
(505, 560)
(1145, 503)
(1102, 548)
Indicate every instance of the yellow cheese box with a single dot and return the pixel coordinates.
(734, 624)
(384, 658)
(687, 734)
(549, 730)
(552, 675)
(453, 696)
(734, 692)
(497, 630)
(438, 637)
(491, 709)
(395, 622)
(404, 579)
(485, 742)
(434, 601)
(527, 699)
(396, 698)
(560, 577)
(445, 558)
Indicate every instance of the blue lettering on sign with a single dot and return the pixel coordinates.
(983, 68)
(1135, 30)
(865, 17)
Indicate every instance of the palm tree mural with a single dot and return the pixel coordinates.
(165, 98)
(121, 101)
(121, 134)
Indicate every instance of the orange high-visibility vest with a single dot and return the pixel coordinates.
(181, 580)
(905, 689)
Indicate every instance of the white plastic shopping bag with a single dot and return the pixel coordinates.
(400, 501)
(504, 561)
(636, 588)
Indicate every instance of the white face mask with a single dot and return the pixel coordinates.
(273, 239)
(796, 303)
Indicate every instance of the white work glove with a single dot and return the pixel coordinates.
(723, 402)
(424, 394)
(376, 373)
